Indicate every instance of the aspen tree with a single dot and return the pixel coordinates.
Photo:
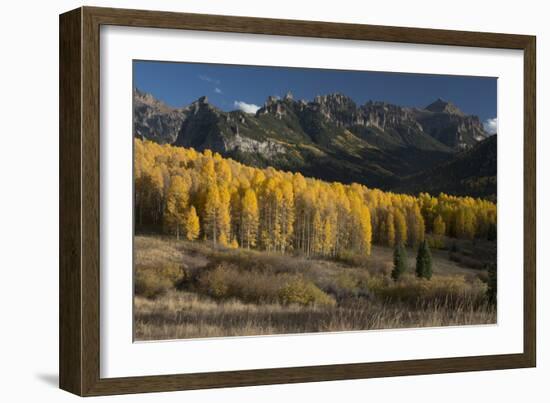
(438, 231)
(211, 210)
(176, 204)
(224, 216)
(250, 218)
(192, 224)
(400, 227)
(390, 230)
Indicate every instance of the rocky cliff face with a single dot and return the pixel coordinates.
(330, 137)
(446, 123)
(154, 120)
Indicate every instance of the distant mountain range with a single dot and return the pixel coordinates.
(378, 144)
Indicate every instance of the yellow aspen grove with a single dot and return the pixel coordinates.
(365, 230)
(192, 224)
(361, 225)
(317, 233)
(249, 219)
(176, 204)
(223, 172)
(439, 226)
(183, 191)
(438, 230)
(211, 210)
(208, 171)
(272, 198)
(415, 225)
(328, 236)
(287, 216)
(469, 223)
(382, 230)
(390, 228)
(428, 205)
(460, 224)
(400, 227)
(224, 216)
(342, 207)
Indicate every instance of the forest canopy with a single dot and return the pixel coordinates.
(205, 196)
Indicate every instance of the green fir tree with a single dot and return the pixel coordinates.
(424, 261)
(399, 261)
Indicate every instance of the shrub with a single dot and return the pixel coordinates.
(223, 281)
(473, 263)
(300, 291)
(261, 263)
(347, 285)
(436, 242)
(172, 272)
(151, 282)
(216, 282)
(452, 291)
(150, 285)
(352, 259)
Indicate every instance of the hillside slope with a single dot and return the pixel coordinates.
(331, 137)
(472, 172)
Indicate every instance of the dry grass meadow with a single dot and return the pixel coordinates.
(192, 290)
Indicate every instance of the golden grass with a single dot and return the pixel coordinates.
(223, 293)
(181, 315)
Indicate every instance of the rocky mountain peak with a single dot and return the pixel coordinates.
(271, 100)
(154, 120)
(338, 108)
(147, 99)
(201, 104)
(330, 137)
(442, 106)
(334, 100)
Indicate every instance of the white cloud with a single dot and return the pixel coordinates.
(217, 90)
(208, 79)
(248, 108)
(490, 125)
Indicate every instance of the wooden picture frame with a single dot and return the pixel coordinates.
(80, 184)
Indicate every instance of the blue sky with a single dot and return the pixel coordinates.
(232, 87)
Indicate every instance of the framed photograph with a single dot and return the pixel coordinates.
(249, 201)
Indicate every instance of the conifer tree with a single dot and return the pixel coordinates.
(399, 261)
(424, 261)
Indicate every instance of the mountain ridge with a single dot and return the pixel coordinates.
(330, 137)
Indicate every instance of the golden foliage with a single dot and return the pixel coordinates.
(283, 211)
